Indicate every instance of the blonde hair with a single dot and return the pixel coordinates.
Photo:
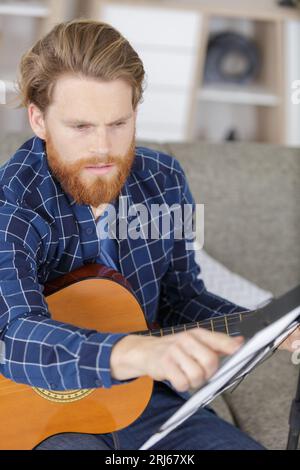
(80, 47)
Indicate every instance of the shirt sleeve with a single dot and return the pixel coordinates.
(35, 349)
(184, 297)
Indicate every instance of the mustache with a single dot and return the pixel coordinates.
(109, 160)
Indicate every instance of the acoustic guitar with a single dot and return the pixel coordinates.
(94, 297)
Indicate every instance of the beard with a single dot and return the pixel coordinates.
(98, 189)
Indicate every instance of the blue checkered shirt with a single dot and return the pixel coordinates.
(45, 234)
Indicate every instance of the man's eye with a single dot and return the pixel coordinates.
(119, 124)
(81, 127)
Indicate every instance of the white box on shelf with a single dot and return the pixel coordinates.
(171, 68)
(163, 106)
(142, 24)
(167, 133)
(167, 41)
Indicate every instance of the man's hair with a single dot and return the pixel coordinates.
(80, 47)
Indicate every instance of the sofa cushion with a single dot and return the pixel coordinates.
(260, 405)
(231, 286)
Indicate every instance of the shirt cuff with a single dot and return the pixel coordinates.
(94, 362)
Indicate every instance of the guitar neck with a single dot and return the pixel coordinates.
(228, 324)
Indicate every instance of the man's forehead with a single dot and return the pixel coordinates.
(76, 84)
(83, 121)
(86, 99)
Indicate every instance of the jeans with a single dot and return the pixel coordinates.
(204, 430)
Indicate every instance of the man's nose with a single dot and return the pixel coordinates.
(100, 145)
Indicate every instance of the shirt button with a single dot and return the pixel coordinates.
(90, 231)
(98, 383)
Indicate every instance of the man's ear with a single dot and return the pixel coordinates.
(37, 121)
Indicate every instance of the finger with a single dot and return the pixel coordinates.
(196, 371)
(176, 375)
(219, 342)
(204, 355)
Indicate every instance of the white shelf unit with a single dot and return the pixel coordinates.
(253, 95)
(167, 41)
(34, 10)
(9, 86)
(252, 111)
(21, 24)
(172, 36)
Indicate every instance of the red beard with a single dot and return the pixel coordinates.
(100, 189)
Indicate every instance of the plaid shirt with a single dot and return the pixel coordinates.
(45, 234)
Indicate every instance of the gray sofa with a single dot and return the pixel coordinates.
(252, 225)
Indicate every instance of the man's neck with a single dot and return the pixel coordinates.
(98, 211)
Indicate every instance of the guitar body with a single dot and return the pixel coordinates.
(93, 297)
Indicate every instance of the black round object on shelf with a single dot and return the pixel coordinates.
(231, 58)
(287, 3)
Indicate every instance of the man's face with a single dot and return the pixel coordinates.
(89, 130)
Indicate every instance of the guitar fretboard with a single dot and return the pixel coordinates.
(228, 324)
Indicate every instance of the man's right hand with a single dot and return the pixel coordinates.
(186, 359)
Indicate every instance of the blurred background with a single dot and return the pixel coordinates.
(217, 70)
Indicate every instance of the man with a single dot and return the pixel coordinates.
(82, 84)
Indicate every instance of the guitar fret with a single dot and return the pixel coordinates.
(226, 324)
(156, 333)
(233, 325)
(219, 324)
(212, 325)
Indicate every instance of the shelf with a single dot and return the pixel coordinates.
(238, 94)
(9, 85)
(266, 10)
(24, 9)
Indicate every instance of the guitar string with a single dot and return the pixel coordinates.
(5, 390)
(211, 324)
(221, 319)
